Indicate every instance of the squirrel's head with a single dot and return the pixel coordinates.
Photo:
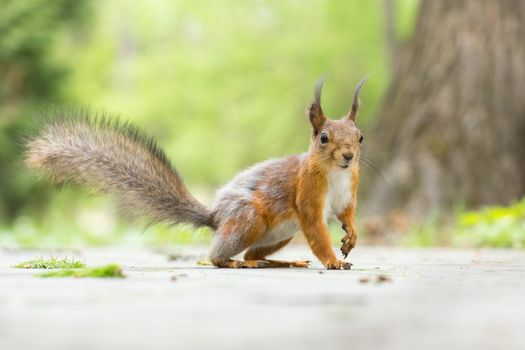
(335, 143)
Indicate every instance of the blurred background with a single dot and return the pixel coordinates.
(224, 84)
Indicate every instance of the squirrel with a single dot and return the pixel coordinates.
(259, 211)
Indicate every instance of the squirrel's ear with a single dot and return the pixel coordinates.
(315, 112)
(352, 114)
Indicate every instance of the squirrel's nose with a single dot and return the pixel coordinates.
(348, 156)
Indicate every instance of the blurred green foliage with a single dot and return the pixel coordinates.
(29, 76)
(75, 219)
(222, 84)
(496, 226)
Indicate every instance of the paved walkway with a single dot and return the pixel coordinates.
(429, 299)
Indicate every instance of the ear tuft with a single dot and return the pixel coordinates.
(315, 112)
(318, 88)
(352, 114)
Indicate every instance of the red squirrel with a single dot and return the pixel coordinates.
(258, 212)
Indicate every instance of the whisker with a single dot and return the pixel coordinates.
(367, 162)
(364, 154)
(370, 161)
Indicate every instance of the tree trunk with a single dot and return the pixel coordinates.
(452, 126)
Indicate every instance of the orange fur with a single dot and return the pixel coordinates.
(347, 217)
(310, 194)
(268, 201)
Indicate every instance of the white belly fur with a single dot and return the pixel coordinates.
(279, 233)
(339, 195)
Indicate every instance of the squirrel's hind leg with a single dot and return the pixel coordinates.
(242, 264)
(235, 235)
(257, 264)
(260, 253)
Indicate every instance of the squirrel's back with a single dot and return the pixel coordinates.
(273, 182)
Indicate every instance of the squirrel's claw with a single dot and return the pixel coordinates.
(339, 265)
(347, 246)
(345, 255)
(349, 241)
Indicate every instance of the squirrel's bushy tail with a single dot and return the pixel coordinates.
(113, 157)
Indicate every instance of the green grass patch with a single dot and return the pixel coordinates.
(492, 226)
(52, 263)
(496, 226)
(107, 271)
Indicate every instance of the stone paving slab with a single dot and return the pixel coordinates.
(435, 299)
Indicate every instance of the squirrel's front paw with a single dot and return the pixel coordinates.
(338, 265)
(349, 240)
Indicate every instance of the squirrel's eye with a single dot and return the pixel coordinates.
(361, 138)
(324, 138)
